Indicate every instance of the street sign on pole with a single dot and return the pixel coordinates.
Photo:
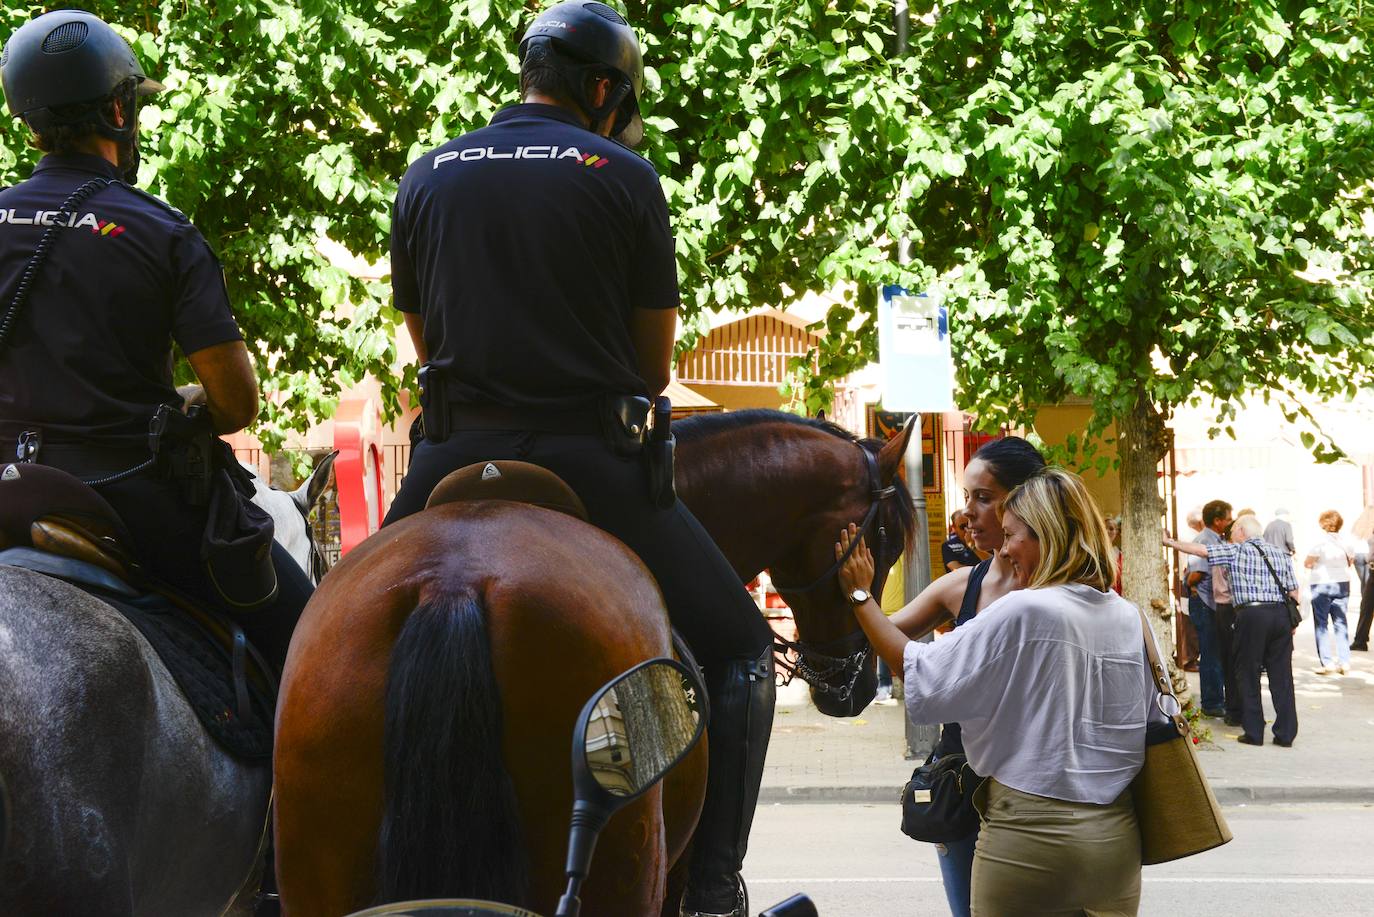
(914, 351)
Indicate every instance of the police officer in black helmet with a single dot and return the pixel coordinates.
(97, 280)
(535, 267)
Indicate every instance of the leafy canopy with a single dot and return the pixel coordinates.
(1137, 204)
(778, 129)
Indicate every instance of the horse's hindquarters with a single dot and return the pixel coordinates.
(117, 801)
(564, 607)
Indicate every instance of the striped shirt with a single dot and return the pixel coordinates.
(1250, 578)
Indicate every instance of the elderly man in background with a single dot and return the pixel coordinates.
(1260, 575)
(1279, 533)
(1214, 664)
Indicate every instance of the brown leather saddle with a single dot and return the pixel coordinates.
(51, 511)
(519, 482)
(53, 523)
(522, 482)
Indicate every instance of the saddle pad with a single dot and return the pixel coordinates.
(204, 671)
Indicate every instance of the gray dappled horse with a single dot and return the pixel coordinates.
(113, 799)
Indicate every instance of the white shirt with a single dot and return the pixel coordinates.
(1333, 564)
(1050, 688)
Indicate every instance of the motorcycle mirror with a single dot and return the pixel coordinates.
(628, 736)
(796, 906)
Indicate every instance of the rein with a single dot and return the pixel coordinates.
(800, 659)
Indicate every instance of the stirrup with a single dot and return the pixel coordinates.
(741, 908)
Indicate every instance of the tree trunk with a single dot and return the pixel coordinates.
(1145, 576)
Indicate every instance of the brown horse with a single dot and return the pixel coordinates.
(406, 642)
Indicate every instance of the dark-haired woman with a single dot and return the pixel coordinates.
(996, 468)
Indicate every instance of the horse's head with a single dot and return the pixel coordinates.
(290, 512)
(832, 653)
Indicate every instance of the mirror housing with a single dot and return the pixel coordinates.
(628, 736)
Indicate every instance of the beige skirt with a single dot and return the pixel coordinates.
(1044, 856)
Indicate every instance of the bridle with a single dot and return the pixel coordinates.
(818, 664)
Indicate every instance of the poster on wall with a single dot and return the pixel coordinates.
(917, 368)
(884, 425)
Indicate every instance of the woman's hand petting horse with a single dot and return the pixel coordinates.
(857, 573)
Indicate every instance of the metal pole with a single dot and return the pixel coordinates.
(916, 574)
(916, 564)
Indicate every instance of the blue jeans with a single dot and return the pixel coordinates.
(884, 674)
(1209, 652)
(956, 869)
(1329, 601)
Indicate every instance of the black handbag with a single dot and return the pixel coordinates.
(937, 802)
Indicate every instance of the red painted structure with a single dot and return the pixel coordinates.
(358, 470)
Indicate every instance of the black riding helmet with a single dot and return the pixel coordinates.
(59, 68)
(591, 36)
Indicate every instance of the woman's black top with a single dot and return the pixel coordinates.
(951, 736)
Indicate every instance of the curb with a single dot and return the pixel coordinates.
(1264, 794)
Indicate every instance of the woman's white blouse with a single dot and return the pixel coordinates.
(1333, 561)
(1050, 688)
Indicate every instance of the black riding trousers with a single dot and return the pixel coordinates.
(707, 603)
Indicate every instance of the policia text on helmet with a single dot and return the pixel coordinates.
(585, 53)
(75, 82)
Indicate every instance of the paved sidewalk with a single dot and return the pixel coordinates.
(814, 758)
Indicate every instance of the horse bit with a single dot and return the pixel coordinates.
(800, 659)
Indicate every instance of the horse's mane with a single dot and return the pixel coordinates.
(701, 426)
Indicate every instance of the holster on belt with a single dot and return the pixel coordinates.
(182, 445)
(624, 423)
(434, 411)
(659, 454)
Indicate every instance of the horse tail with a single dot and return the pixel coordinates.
(450, 822)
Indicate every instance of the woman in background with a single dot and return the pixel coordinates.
(1330, 559)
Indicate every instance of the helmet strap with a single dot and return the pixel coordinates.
(126, 137)
(615, 98)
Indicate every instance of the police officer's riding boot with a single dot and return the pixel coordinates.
(741, 693)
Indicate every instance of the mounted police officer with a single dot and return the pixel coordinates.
(97, 280)
(534, 264)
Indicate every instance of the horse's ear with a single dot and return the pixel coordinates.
(890, 455)
(820, 415)
(309, 493)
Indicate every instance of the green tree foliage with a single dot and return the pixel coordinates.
(1141, 203)
(776, 127)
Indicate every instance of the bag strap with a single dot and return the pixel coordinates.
(1160, 677)
(1283, 593)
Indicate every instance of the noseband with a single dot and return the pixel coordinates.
(813, 663)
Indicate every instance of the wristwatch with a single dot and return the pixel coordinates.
(859, 596)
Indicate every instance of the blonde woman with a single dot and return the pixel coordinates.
(1049, 683)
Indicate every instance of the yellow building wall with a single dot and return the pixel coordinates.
(1055, 424)
(740, 397)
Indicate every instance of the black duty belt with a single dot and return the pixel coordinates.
(87, 461)
(498, 417)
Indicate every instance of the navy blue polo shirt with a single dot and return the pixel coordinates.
(90, 355)
(524, 245)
